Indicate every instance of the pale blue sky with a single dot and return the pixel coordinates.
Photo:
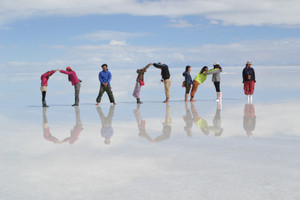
(39, 34)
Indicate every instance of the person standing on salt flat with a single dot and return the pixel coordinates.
(165, 74)
(200, 78)
(249, 80)
(44, 83)
(216, 79)
(105, 78)
(74, 81)
(140, 82)
(188, 81)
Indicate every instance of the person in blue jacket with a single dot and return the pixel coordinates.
(105, 78)
(188, 82)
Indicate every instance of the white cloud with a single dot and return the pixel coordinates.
(118, 53)
(110, 35)
(236, 12)
(117, 43)
(179, 23)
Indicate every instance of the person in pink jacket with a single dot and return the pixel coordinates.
(44, 83)
(74, 81)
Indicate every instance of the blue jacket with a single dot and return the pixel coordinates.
(188, 78)
(105, 77)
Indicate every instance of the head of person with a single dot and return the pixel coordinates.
(68, 69)
(204, 69)
(248, 63)
(188, 68)
(217, 65)
(104, 67)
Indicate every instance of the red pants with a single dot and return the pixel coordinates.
(249, 87)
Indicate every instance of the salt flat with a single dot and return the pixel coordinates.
(203, 150)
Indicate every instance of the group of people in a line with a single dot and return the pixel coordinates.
(191, 85)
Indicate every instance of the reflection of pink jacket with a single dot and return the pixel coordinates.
(48, 136)
(46, 76)
(72, 76)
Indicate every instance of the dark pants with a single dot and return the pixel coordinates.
(44, 96)
(109, 93)
(217, 86)
(77, 90)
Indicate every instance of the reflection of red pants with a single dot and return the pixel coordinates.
(249, 87)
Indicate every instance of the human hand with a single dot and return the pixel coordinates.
(57, 70)
(105, 84)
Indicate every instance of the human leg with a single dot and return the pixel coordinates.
(187, 91)
(219, 94)
(77, 90)
(167, 84)
(44, 91)
(101, 91)
(194, 90)
(110, 94)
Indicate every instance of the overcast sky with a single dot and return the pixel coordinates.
(39, 34)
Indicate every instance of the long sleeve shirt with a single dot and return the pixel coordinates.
(200, 78)
(141, 73)
(45, 77)
(105, 77)
(165, 74)
(188, 78)
(72, 76)
(248, 74)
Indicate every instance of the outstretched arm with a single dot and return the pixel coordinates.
(65, 72)
(212, 71)
(146, 67)
(160, 66)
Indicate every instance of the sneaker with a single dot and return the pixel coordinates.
(75, 105)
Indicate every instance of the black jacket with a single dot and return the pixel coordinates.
(248, 74)
(165, 74)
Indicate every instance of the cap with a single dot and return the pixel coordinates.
(68, 68)
(249, 62)
(216, 63)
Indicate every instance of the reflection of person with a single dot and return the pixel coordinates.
(200, 78)
(74, 81)
(188, 82)
(216, 128)
(188, 118)
(75, 132)
(44, 83)
(165, 74)
(249, 81)
(167, 126)
(216, 79)
(106, 130)
(199, 121)
(249, 119)
(46, 129)
(140, 82)
(141, 123)
(105, 78)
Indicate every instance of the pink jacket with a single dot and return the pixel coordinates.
(72, 76)
(46, 76)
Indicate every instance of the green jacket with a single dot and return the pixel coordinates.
(200, 78)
